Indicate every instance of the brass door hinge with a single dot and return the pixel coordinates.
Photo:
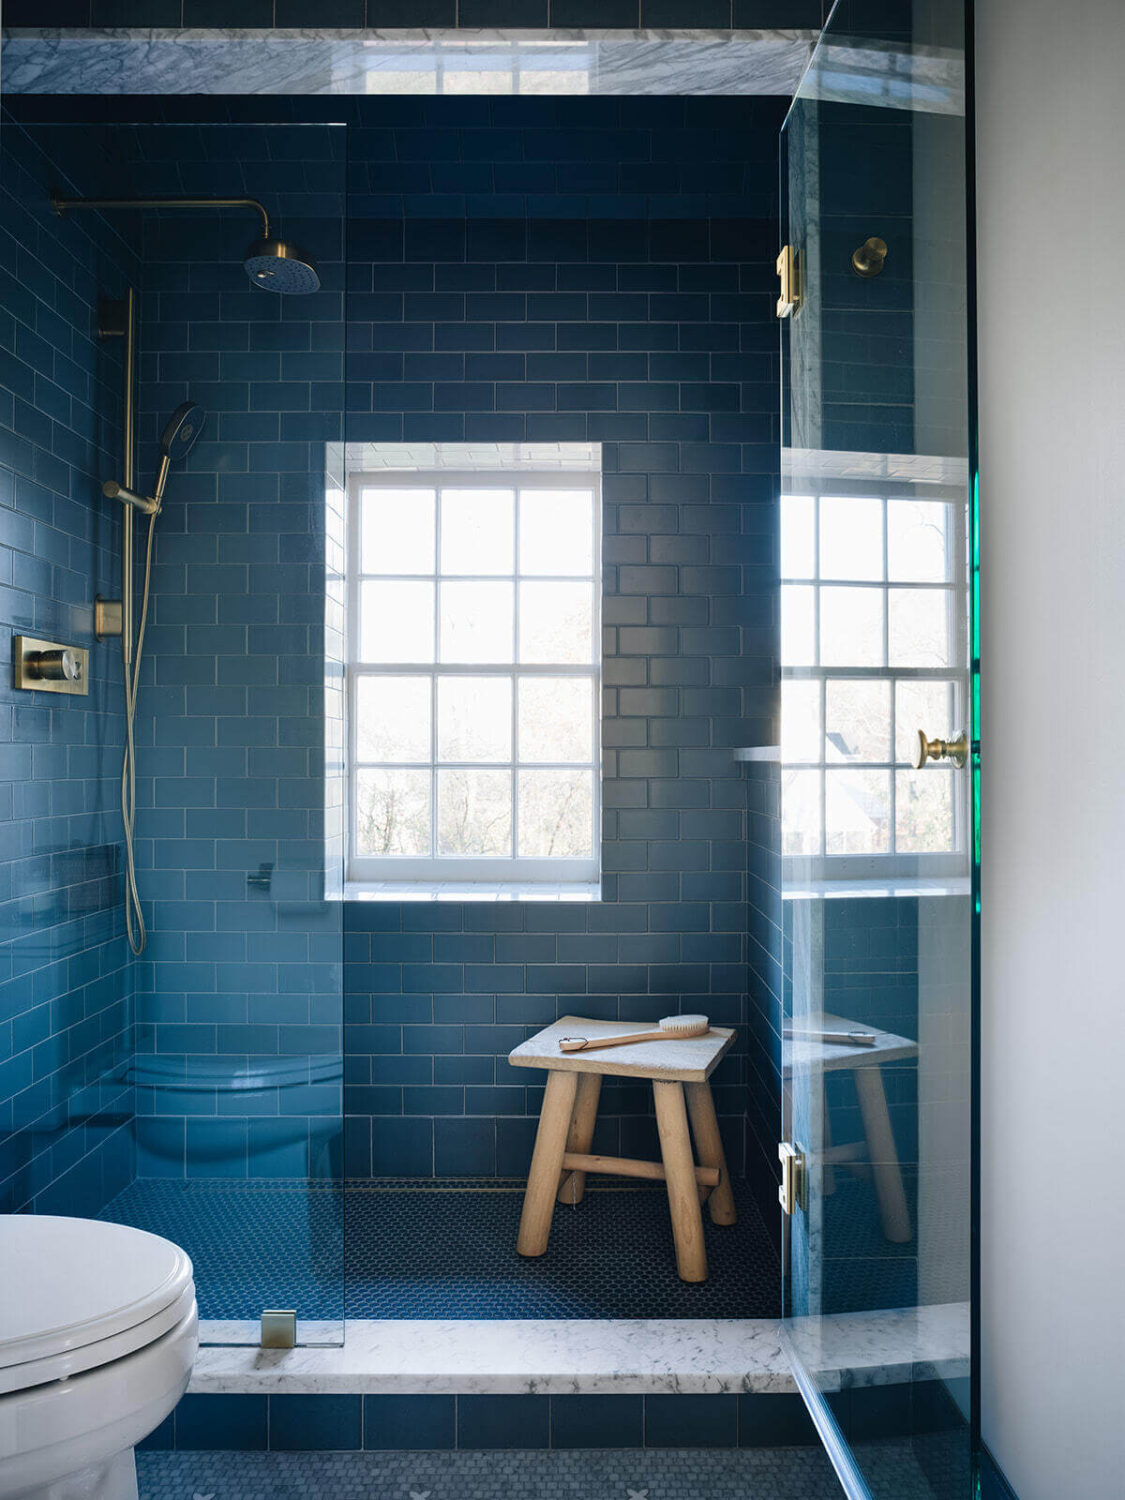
(789, 271)
(791, 1193)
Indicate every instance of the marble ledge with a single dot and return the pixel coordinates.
(475, 63)
(626, 1357)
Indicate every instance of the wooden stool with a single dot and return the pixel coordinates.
(864, 1063)
(562, 1157)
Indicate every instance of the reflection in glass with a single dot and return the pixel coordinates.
(800, 720)
(474, 718)
(798, 536)
(798, 625)
(398, 531)
(476, 622)
(555, 814)
(857, 720)
(800, 801)
(556, 719)
(477, 531)
(857, 812)
(557, 532)
(851, 627)
(918, 549)
(924, 811)
(474, 812)
(397, 622)
(393, 718)
(851, 538)
(922, 704)
(393, 812)
(918, 632)
(556, 623)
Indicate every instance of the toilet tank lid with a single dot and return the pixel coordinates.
(65, 1283)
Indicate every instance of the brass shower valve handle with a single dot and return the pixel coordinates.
(956, 750)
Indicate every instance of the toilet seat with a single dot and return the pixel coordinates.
(76, 1294)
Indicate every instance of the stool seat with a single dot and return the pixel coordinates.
(690, 1059)
(679, 1070)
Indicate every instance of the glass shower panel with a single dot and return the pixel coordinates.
(235, 1068)
(877, 764)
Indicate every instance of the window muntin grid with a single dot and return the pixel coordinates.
(435, 575)
(873, 648)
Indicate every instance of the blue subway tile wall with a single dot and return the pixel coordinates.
(239, 991)
(444, 14)
(650, 331)
(293, 1424)
(65, 981)
(552, 269)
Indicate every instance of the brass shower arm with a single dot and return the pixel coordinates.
(61, 205)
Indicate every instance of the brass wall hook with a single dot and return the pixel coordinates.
(869, 259)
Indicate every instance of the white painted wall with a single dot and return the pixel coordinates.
(1051, 207)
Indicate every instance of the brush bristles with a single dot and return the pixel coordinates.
(685, 1025)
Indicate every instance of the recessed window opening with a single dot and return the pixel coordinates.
(872, 649)
(473, 675)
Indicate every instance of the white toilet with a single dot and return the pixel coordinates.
(98, 1333)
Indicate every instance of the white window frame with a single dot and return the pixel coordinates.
(895, 864)
(486, 870)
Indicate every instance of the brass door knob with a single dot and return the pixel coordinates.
(868, 259)
(955, 750)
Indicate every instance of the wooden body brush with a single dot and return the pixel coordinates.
(672, 1029)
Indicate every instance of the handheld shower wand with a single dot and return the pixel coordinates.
(176, 441)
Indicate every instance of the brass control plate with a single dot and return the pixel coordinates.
(26, 651)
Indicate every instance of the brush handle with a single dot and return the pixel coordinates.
(620, 1041)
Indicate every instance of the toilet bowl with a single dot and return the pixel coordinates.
(98, 1334)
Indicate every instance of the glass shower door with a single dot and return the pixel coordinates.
(877, 775)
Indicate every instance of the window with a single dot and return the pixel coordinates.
(473, 676)
(873, 648)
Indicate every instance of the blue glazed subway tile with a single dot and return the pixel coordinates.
(503, 1421)
(410, 1422)
(315, 1423)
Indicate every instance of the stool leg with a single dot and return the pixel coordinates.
(572, 1185)
(709, 1145)
(679, 1169)
(546, 1163)
(884, 1156)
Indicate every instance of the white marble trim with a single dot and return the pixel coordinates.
(622, 1356)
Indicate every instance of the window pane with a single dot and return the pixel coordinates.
(556, 814)
(923, 705)
(798, 527)
(557, 531)
(556, 718)
(474, 812)
(398, 531)
(857, 720)
(800, 812)
(393, 812)
(474, 718)
(393, 718)
(851, 538)
(477, 531)
(397, 622)
(800, 721)
(918, 534)
(851, 627)
(918, 627)
(798, 628)
(556, 623)
(924, 811)
(857, 812)
(476, 622)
